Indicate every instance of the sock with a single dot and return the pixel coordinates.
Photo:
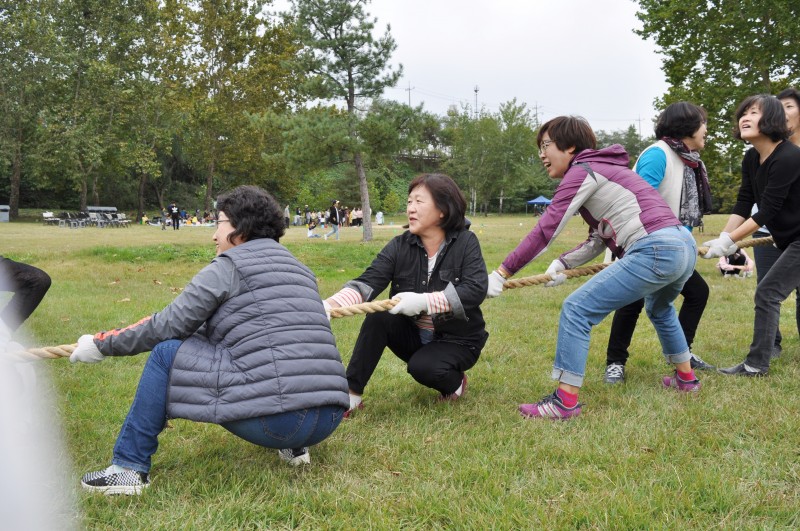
(567, 398)
(687, 376)
(116, 469)
(460, 389)
(355, 401)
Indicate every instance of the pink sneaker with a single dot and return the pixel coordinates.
(452, 397)
(550, 407)
(675, 382)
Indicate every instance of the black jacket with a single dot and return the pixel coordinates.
(775, 187)
(459, 272)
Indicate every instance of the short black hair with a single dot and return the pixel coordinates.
(569, 131)
(789, 93)
(680, 120)
(447, 196)
(253, 213)
(773, 117)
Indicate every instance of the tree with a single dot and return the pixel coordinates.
(494, 156)
(239, 64)
(629, 139)
(26, 38)
(717, 53)
(346, 63)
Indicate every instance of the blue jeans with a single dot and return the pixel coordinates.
(655, 267)
(138, 439)
(334, 230)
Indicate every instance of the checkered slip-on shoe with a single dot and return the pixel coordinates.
(295, 457)
(110, 481)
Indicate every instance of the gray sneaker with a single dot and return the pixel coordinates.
(295, 457)
(697, 363)
(615, 373)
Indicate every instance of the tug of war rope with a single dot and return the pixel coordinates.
(64, 351)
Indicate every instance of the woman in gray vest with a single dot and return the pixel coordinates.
(246, 345)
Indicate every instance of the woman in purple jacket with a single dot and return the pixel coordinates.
(627, 215)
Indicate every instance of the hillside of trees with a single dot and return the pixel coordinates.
(139, 103)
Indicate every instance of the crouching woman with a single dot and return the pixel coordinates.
(246, 345)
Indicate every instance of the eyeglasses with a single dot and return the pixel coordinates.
(544, 144)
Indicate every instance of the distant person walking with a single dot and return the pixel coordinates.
(175, 214)
(335, 218)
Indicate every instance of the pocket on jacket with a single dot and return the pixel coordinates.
(404, 283)
(450, 275)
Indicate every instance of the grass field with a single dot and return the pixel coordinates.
(638, 457)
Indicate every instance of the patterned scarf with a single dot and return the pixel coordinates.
(696, 192)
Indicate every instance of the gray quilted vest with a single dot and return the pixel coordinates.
(265, 351)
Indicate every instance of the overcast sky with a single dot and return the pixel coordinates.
(557, 56)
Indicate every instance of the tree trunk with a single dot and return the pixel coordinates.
(362, 184)
(16, 177)
(473, 199)
(501, 201)
(84, 193)
(160, 196)
(209, 186)
(95, 192)
(142, 187)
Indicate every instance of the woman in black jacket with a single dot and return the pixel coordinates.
(438, 276)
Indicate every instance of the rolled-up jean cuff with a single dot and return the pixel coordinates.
(569, 378)
(678, 358)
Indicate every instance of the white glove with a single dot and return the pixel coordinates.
(556, 266)
(328, 309)
(410, 304)
(496, 281)
(87, 351)
(722, 246)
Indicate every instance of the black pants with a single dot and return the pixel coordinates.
(29, 285)
(437, 365)
(765, 256)
(695, 297)
(176, 222)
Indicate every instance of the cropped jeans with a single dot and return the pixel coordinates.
(656, 268)
(138, 439)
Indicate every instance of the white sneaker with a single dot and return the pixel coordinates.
(295, 457)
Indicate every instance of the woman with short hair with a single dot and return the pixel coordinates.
(770, 180)
(435, 270)
(245, 345)
(656, 254)
(672, 166)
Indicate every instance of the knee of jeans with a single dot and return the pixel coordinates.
(573, 311)
(164, 352)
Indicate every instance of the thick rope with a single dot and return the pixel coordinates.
(61, 351)
(64, 351)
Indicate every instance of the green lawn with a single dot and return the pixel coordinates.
(638, 457)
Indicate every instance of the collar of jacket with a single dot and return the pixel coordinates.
(413, 239)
